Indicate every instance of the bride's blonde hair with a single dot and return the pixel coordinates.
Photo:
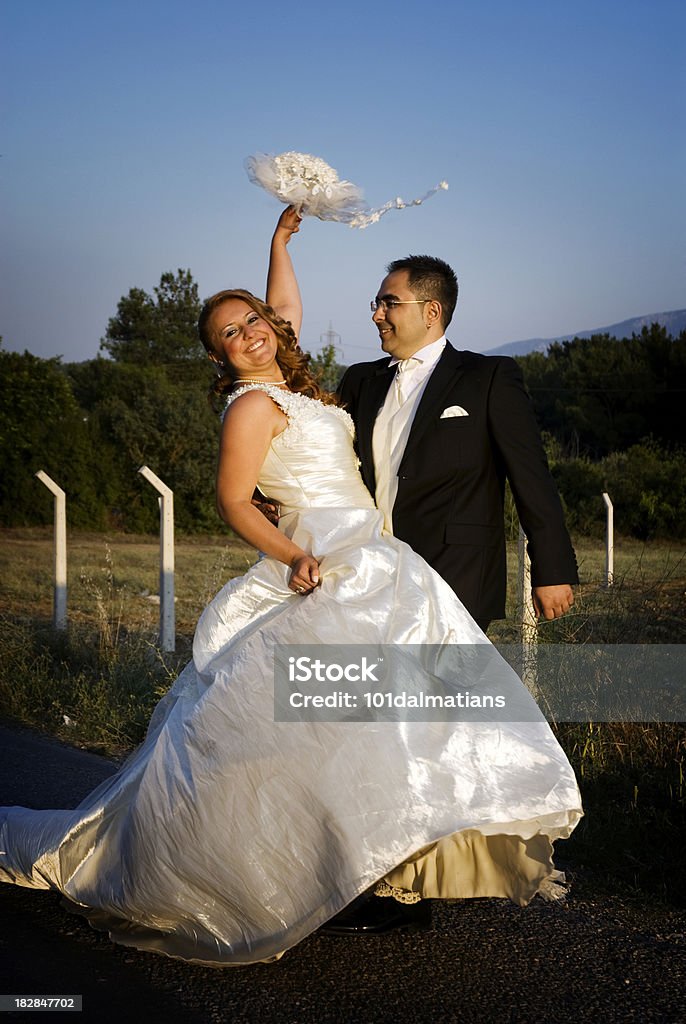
(292, 361)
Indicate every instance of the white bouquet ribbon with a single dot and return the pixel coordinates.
(311, 185)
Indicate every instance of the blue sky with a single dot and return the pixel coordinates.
(560, 128)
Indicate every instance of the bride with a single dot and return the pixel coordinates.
(228, 836)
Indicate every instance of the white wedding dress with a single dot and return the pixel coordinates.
(227, 837)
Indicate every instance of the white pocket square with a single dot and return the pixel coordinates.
(453, 410)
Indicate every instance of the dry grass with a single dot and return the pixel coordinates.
(97, 684)
(126, 566)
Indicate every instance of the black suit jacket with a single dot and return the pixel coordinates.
(451, 479)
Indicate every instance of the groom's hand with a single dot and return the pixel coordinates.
(269, 509)
(552, 602)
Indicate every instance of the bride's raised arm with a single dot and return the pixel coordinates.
(283, 294)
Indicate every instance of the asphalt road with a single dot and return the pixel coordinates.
(594, 959)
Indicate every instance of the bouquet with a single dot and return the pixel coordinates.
(310, 184)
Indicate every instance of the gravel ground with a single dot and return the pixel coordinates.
(595, 958)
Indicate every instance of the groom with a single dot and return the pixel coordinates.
(438, 432)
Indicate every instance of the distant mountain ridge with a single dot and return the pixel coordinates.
(674, 322)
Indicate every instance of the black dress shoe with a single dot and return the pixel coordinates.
(379, 914)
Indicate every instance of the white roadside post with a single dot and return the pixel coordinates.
(60, 599)
(609, 541)
(527, 617)
(167, 612)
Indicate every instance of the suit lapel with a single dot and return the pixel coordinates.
(372, 395)
(447, 371)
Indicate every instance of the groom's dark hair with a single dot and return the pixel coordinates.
(430, 278)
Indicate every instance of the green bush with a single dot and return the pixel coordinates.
(91, 426)
(646, 484)
(581, 484)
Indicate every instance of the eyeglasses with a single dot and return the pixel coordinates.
(384, 304)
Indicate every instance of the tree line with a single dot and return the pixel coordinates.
(91, 425)
(610, 410)
(612, 415)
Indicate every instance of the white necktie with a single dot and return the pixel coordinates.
(403, 379)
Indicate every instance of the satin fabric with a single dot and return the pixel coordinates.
(227, 837)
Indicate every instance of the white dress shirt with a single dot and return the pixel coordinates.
(394, 422)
